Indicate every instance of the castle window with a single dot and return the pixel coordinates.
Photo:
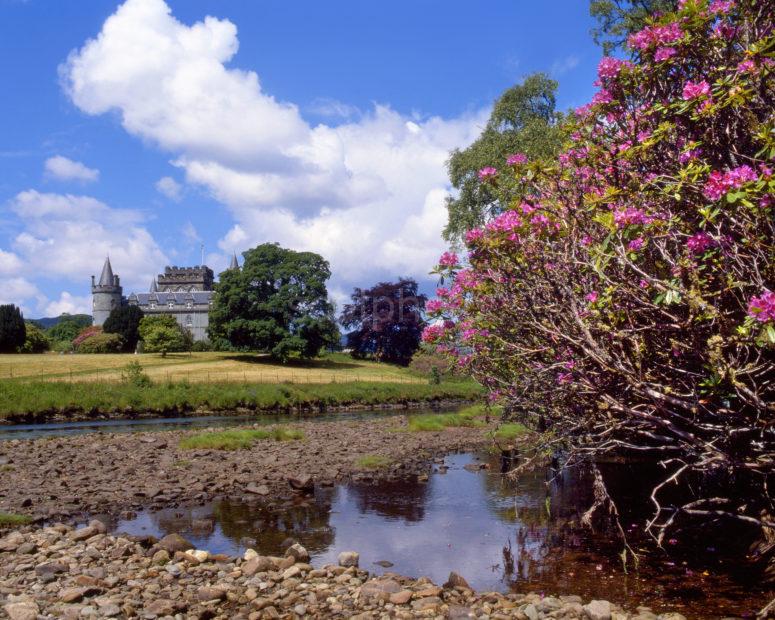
(189, 304)
(189, 322)
(153, 305)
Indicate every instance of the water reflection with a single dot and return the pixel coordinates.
(498, 534)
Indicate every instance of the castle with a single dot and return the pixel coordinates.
(184, 292)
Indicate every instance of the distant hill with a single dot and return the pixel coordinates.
(49, 322)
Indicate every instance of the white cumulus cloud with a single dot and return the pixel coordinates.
(367, 194)
(64, 169)
(68, 304)
(66, 236)
(170, 188)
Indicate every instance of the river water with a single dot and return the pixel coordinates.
(497, 533)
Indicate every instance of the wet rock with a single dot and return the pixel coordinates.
(202, 526)
(27, 548)
(258, 489)
(174, 542)
(297, 552)
(302, 482)
(400, 598)
(12, 541)
(429, 603)
(598, 610)
(457, 612)
(456, 581)
(210, 593)
(383, 563)
(348, 558)
(27, 610)
(160, 607)
(258, 564)
(161, 557)
(380, 589)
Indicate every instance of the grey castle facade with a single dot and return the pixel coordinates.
(184, 292)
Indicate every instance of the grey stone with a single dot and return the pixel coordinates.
(531, 612)
(174, 542)
(22, 610)
(297, 552)
(349, 558)
(598, 610)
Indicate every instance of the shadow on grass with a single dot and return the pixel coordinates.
(326, 363)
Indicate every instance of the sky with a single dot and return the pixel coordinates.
(146, 130)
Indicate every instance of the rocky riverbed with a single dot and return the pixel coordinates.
(103, 473)
(62, 572)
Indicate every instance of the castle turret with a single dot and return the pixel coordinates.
(106, 294)
(234, 264)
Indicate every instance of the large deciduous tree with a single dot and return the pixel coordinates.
(125, 321)
(523, 123)
(276, 303)
(387, 321)
(626, 305)
(12, 328)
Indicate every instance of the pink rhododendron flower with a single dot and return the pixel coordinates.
(448, 259)
(586, 240)
(762, 308)
(591, 297)
(721, 6)
(643, 283)
(631, 215)
(636, 244)
(517, 159)
(746, 66)
(433, 306)
(719, 183)
(488, 172)
(610, 67)
(700, 242)
(656, 35)
(432, 333)
(663, 53)
(474, 235)
(602, 97)
(442, 292)
(692, 90)
(723, 30)
(564, 377)
(689, 155)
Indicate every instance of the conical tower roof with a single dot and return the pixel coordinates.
(106, 278)
(234, 264)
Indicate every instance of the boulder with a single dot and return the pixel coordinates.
(258, 489)
(456, 581)
(302, 482)
(210, 593)
(174, 542)
(12, 541)
(349, 558)
(400, 598)
(257, 564)
(381, 589)
(297, 552)
(598, 610)
(27, 610)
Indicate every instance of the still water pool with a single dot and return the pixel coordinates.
(497, 533)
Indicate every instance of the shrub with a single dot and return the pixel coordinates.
(86, 332)
(426, 360)
(35, 340)
(624, 304)
(133, 374)
(102, 343)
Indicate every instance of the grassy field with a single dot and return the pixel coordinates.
(201, 367)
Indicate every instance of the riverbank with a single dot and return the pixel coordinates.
(47, 401)
(65, 573)
(104, 473)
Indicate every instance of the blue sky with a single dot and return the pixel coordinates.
(146, 129)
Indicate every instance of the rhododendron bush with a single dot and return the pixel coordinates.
(625, 304)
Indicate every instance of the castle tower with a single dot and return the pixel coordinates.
(106, 294)
(234, 264)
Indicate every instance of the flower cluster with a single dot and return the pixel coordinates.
(651, 36)
(448, 259)
(517, 159)
(488, 172)
(762, 307)
(693, 90)
(719, 183)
